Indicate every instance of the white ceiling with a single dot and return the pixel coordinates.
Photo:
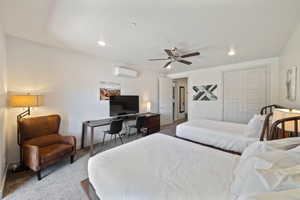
(256, 28)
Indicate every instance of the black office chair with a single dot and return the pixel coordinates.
(115, 129)
(140, 124)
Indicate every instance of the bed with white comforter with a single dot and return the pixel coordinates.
(224, 135)
(160, 167)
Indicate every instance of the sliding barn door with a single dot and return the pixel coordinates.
(245, 93)
(165, 101)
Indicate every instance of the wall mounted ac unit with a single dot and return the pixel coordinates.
(120, 71)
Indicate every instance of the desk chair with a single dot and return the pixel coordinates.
(140, 123)
(115, 129)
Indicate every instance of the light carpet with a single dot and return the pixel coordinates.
(63, 181)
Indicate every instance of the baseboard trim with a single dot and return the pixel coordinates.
(3, 181)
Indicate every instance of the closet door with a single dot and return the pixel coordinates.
(245, 92)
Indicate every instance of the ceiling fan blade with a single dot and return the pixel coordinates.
(167, 64)
(190, 55)
(169, 52)
(158, 59)
(185, 62)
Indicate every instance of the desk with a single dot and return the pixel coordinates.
(152, 123)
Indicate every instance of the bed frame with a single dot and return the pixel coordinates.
(89, 190)
(278, 128)
(269, 109)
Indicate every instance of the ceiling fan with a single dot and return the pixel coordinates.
(174, 56)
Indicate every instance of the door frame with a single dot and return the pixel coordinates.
(177, 96)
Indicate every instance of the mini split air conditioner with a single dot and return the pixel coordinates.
(123, 72)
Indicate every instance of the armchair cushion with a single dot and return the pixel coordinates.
(53, 152)
(51, 139)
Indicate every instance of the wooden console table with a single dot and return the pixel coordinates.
(152, 123)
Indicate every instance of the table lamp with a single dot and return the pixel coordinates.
(27, 101)
(148, 106)
(286, 113)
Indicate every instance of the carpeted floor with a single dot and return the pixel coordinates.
(63, 179)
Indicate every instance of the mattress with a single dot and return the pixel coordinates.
(162, 167)
(224, 135)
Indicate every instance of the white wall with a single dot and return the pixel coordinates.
(290, 57)
(214, 109)
(2, 105)
(70, 82)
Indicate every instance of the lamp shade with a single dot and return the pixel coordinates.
(25, 100)
(286, 113)
(148, 106)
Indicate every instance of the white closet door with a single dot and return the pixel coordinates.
(233, 96)
(245, 92)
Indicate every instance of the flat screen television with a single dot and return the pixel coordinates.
(122, 105)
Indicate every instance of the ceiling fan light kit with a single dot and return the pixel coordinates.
(174, 56)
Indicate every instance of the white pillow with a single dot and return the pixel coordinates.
(280, 178)
(247, 181)
(282, 195)
(296, 149)
(265, 146)
(255, 126)
(254, 149)
(284, 144)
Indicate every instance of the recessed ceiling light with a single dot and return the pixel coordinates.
(101, 43)
(169, 66)
(231, 52)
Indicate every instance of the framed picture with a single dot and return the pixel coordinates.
(105, 93)
(205, 93)
(181, 99)
(291, 83)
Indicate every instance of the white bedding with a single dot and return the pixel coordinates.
(160, 167)
(225, 135)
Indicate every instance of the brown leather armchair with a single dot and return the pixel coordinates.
(41, 143)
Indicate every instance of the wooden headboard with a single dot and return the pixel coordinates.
(278, 128)
(269, 109)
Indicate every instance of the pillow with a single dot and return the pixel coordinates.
(260, 147)
(265, 146)
(246, 179)
(282, 195)
(280, 178)
(284, 144)
(295, 150)
(252, 150)
(255, 126)
(255, 148)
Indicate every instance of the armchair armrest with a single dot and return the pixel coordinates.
(31, 156)
(69, 140)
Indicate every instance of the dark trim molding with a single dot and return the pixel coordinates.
(226, 151)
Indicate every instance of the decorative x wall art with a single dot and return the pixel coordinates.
(205, 92)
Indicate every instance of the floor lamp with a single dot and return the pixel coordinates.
(24, 101)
